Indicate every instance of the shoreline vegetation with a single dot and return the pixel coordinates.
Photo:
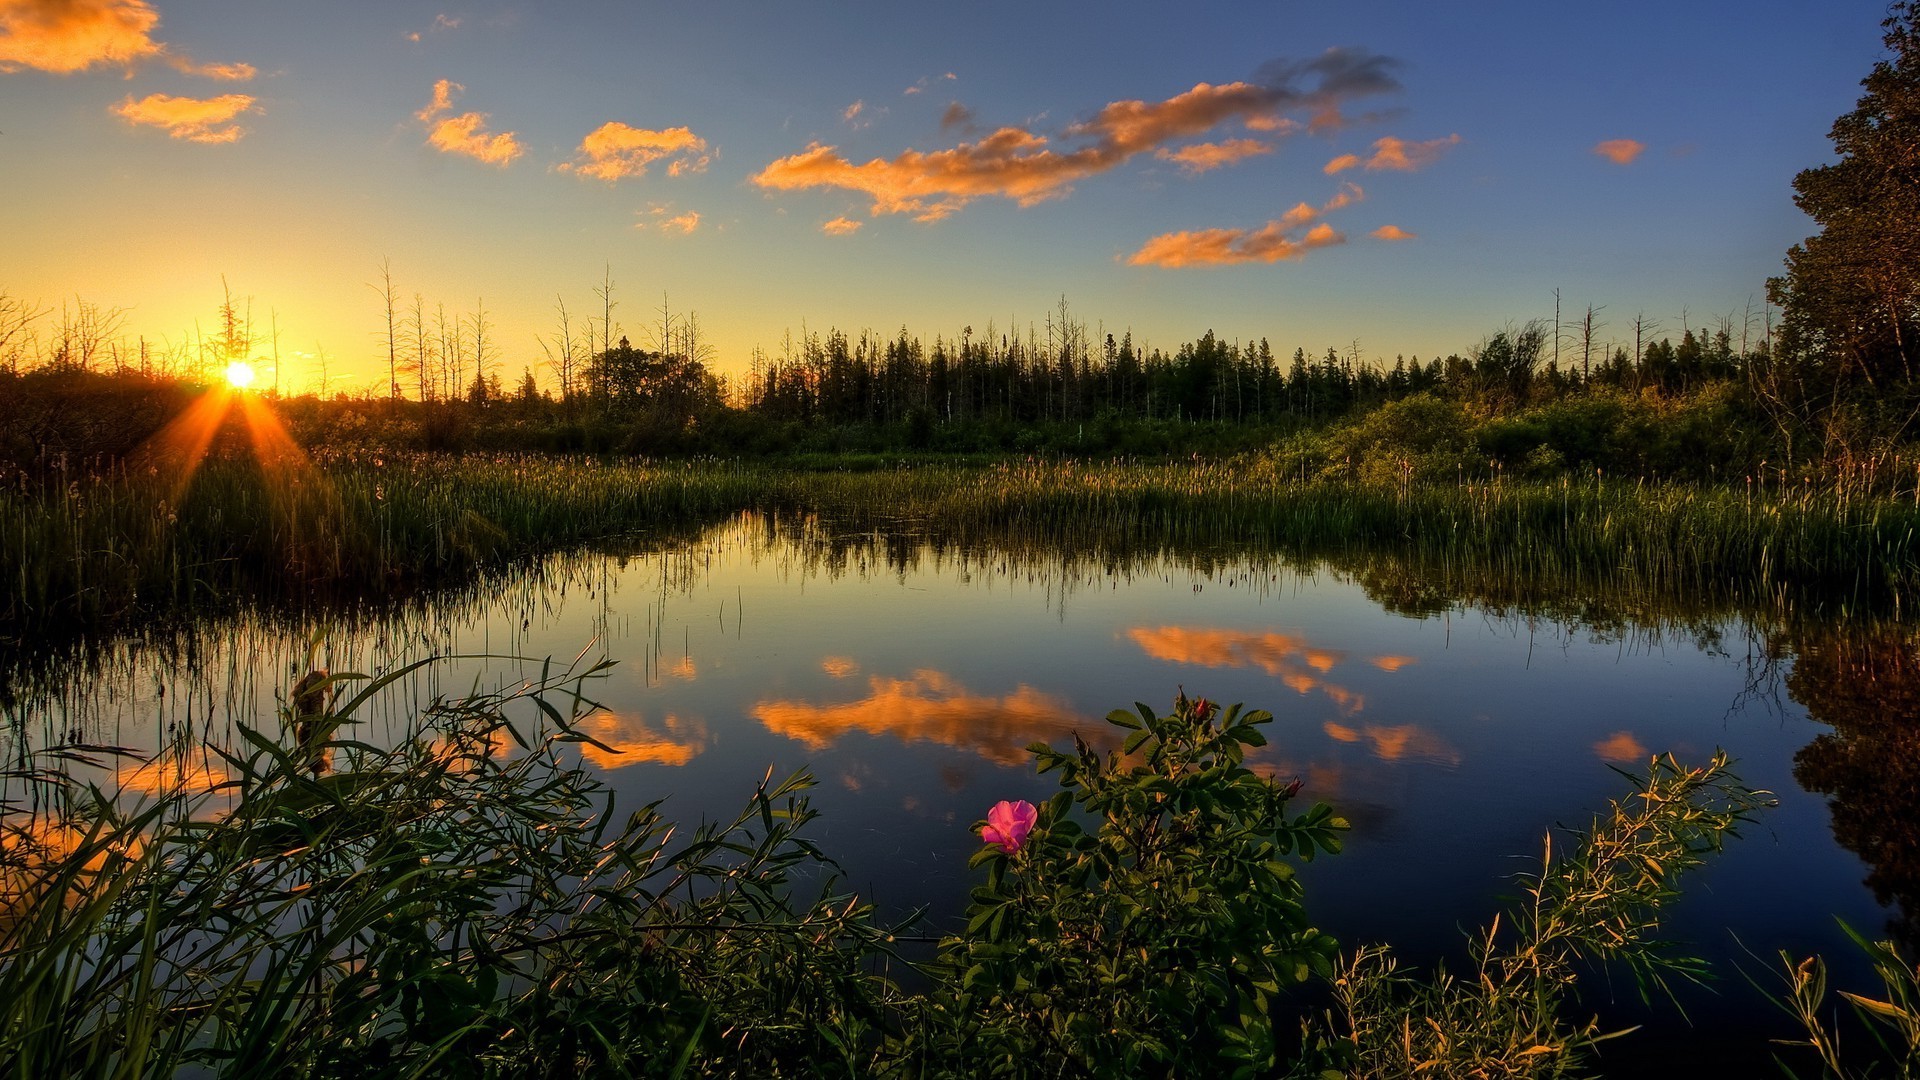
(468, 902)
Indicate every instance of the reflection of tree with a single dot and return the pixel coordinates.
(1866, 686)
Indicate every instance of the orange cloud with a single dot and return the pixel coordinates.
(1226, 247)
(465, 134)
(65, 36)
(202, 120)
(1622, 748)
(1397, 742)
(1202, 157)
(1620, 151)
(1342, 164)
(1028, 167)
(840, 667)
(631, 741)
(615, 151)
(933, 707)
(1392, 232)
(1400, 155)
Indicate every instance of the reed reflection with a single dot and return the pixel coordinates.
(932, 706)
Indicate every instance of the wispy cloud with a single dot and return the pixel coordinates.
(956, 116)
(1392, 232)
(1280, 238)
(67, 36)
(616, 151)
(840, 226)
(661, 216)
(1203, 157)
(921, 84)
(1396, 155)
(466, 133)
(1029, 167)
(1620, 151)
(201, 120)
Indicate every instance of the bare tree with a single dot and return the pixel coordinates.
(1588, 327)
(17, 317)
(390, 299)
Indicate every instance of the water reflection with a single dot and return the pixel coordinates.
(931, 706)
(1621, 748)
(1865, 685)
(628, 740)
(1299, 665)
(1397, 742)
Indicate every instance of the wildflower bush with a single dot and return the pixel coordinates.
(1146, 919)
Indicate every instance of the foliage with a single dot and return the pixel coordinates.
(1158, 940)
(1851, 296)
(1892, 1022)
(1602, 901)
(447, 906)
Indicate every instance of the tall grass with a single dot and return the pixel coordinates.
(90, 548)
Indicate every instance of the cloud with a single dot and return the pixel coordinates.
(1202, 157)
(667, 221)
(956, 116)
(223, 72)
(853, 111)
(1620, 151)
(1400, 155)
(66, 36)
(1276, 240)
(933, 707)
(921, 84)
(1030, 167)
(841, 667)
(1342, 164)
(840, 226)
(201, 120)
(615, 151)
(1392, 232)
(466, 133)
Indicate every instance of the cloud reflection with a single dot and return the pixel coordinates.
(1397, 742)
(1622, 748)
(933, 707)
(631, 741)
(1288, 657)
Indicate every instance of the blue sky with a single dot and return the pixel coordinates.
(299, 195)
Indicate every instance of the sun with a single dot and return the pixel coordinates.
(239, 375)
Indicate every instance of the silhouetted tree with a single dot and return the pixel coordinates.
(1850, 298)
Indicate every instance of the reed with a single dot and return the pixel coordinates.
(95, 547)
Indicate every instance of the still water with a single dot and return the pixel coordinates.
(908, 676)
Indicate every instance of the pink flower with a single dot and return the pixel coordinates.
(1008, 824)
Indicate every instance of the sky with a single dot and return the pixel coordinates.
(1401, 178)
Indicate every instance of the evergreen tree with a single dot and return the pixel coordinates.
(1851, 294)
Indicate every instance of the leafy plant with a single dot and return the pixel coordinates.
(1149, 922)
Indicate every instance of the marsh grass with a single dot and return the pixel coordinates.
(96, 548)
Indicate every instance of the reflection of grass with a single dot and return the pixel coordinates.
(90, 547)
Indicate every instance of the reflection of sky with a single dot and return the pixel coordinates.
(1451, 742)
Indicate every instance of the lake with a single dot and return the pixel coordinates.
(1451, 723)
